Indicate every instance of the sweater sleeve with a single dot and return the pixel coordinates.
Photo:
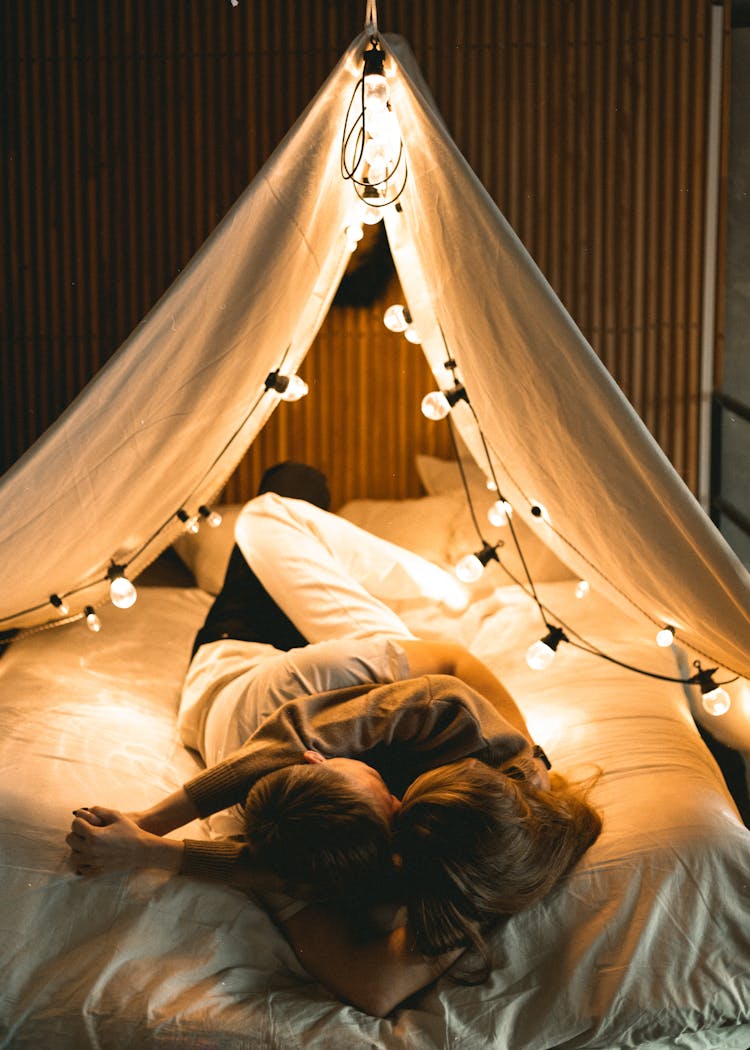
(436, 715)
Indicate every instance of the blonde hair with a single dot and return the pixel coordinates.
(477, 845)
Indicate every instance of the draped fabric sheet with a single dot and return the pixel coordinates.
(166, 421)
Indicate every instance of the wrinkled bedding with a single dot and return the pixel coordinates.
(647, 945)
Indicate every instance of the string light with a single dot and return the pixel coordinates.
(437, 404)
(372, 151)
(192, 524)
(471, 566)
(59, 604)
(540, 654)
(665, 637)
(122, 592)
(92, 620)
(714, 698)
(499, 513)
(397, 318)
(289, 388)
(213, 518)
(354, 234)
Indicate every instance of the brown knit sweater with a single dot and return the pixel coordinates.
(402, 729)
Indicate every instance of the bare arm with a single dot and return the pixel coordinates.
(374, 976)
(171, 812)
(448, 658)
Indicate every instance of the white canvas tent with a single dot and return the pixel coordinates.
(164, 424)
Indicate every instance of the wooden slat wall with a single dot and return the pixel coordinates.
(128, 129)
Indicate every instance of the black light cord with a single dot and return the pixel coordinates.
(701, 676)
(16, 634)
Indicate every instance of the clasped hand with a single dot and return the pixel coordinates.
(105, 840)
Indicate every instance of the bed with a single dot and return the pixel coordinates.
(648, 943)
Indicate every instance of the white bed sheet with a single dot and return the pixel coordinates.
(648, 945)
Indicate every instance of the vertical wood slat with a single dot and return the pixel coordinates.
(129, 128)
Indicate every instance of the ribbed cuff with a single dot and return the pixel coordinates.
(216, 788)
(211, 860)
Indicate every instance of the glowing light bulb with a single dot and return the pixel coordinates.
(92, 620)
(716, 701)
(582, 589)
(192, 524)
(382, 127)
(354, 234)
(377, 92)
(469, 568)
(378, 157)
(499, 513)
(397, 318)
(122, 592)
(665, 637)
(296, 389)
(59, 604)
(435, 405)
(540, 654)
(491, 486)
(213, 518)
(369, 215)
(412, 335)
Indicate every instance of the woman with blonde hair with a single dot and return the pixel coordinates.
(478, 844)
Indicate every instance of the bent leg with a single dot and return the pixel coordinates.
(331, 577)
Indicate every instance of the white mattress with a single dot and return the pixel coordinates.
(647, 945)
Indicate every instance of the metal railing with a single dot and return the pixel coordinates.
(721, 507)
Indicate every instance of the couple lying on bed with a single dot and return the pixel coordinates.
(371, 769)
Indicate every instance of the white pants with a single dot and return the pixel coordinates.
(329, 576)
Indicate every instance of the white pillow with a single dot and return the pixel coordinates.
(440, 476)
(423, 526)
(206, 553)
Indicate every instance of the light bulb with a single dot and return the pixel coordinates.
(499, 513)
(377, 155)
(213, 518)
(469, 568)
(382, 127)
(412, 335)
(192, 524)
(59, 604)
(92, 620)
(491, 485)
(296, 388)
(122, 592)
(370, 215)
(397, 318)
(435, 405)
(716, 701)
(582, 589)
(539, 656)
(377, 92)
(354, 234)
(665, 637)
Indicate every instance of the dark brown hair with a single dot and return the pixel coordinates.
(477, 845)
(308, 826)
